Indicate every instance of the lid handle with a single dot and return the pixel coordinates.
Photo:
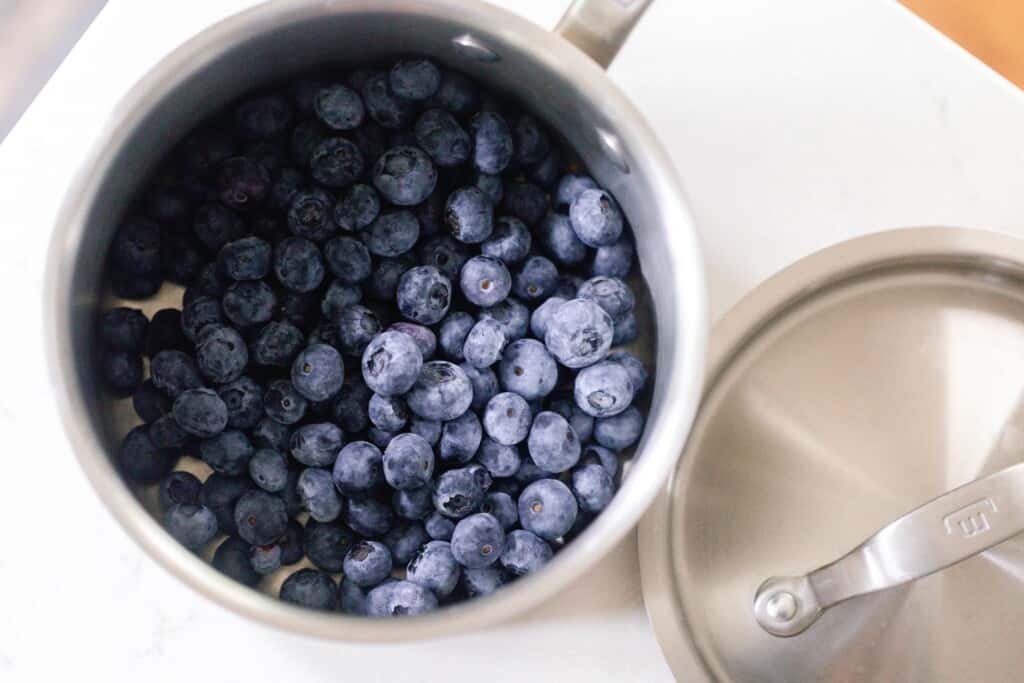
(600, 27)
(940, 533)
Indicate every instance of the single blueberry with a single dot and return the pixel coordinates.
(626, 329)
(441, 136)
(221, 354)
(122, 372)
(265, 559)
(368, 517)
(502, 507)
(453, 332)
(531, 141)
(424, 295)
(277, 344)
(181, 487)
(408, 462)
(357, 207)
(434, 567)
(493, 145)
(367, 563)
(298, 264)
(513, 315)
(480, 582)
(621, 431)
(610, 293)
(123, 329)
(200, 412)
(458, 492)
(391, 363)
(309, 215)
(326, 544)
(441, 392)
(404, 540)
(536, 279)
(484, 343)
(311, 589)
(249, 303)
(485, 281)
(319, 498)
(469, 215)
(445, 254)
(614, 260)
(596, 218)
(404, 175)
(603, 389)
(388, 412)
(593, 487)
(269, 469)
(348, 260)
(413, 504)
(392, 234)
(336, 162)
(317, 444)
(136, 248)
(339, 107)
(357, 326)
(547, 508)
(141, 460)
(245, 259)
(358, 469)
(460, 439)
(261, 518)
(439, 527)
(478, 541)
(244, 400)
(318, 372)
(242, 184)
(414, 79)
(228, 452)
(507, 419)
(553, 444)
(542, 316)
(528, 369)
(384, 106)
(282, 403)
(352, 599)
(499, 459)
(510, 240)
(525, 553)
(399, 598)
(580, 335)
(560, 241)
(457, 94)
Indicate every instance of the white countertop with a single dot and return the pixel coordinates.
(794, 124)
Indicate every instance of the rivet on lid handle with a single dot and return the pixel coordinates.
(940, 533)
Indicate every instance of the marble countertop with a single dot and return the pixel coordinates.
(794, 125)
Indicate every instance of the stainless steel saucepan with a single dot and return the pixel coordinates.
(559, 76)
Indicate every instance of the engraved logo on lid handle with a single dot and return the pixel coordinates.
(971, 520)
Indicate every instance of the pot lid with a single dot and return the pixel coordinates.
(846, 508)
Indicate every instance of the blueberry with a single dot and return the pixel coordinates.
(492, 186)
(567, 286)
(282, 403)
(414, 79)
(269, 469)
(553, 444)
(309, 215)
(480, 582)
(469, 215)
(249, 303)
(404, 540)
(580, 335)
(525, 553)
(392, 234)
(141, 460)
(458, 493)
(634, 366)
(502, 507)
(441, 136)
(368, 517)
(510, 240)
(507, 419)
(492, 142)
(318, 372)
(430, 430)
(136, 248)
(457, 94)
(123, 329)
(348, 260)
(352, 599)
(277, 344)
(388, 413)
(291, 543)
(180, 487)
(570, 187)
(439, 527)
(626, 330)
(399, 598)
(391, 363)
(499, 459)
(357, 326)
(221, 354)
(531, 142)
(596, 218)
(404, 175)
(337, 298)
(484, 383)
(336, 162)
(227, 453)
(413, 504)
(453, 332)
(547, 508)
(460, 439)
(261, 518)
(284, 188)
(621, 431)
(122, 372)
(383, 282)
(560, 241)
(528, 369)
(478, 541)
(311, 589)
(263, 117)
(593, 486)
(220, 493)
(317, 445)
(164, 332)
(610, 293)
(536, 279)
(603, 389)
(512, 314)
(408, 462)
(424, 295)
(485, 280)
(211, 281)
(441, 392)
(384, 106)
(245, 259)
(166, 433)
(581, 422)
(316, 489)
(244, 400)
(424, 337)
(200, 412)
(614, 260)
(339, 107)
(265, 559)
(357, 207)
(445, 254)
(174, 372)
(434, 567)
(545, 172)
(367, 563)
(216, 225)
(484, 343)
(232, 559)
(326, 544)
(198, 313)
(298, 264)
(358, 469)
(525, 201)
(543, 314)
(599, 455)
(242, 183)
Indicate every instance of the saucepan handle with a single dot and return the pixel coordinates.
(600, 27)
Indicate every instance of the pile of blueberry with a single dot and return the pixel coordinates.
(400, 302)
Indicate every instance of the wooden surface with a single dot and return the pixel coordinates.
(991, 30)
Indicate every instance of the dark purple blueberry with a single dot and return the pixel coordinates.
(298, 264)
(368, 517)
(291, 543)
(317, 445)
(183, 258)
(536, 279)
(221, 354)
(441, 136)
(445, 254)
(383, 105)
(319, 497)
(404, 175)
(358, 469)
(525, 201)
(260, 517)
(150, 403)
(265, 559)
(277, 344)
(490, 185)
(348, 260)
(336, 162)
(191, 525)
(141, 460)
(460, 439)
(414, 79)
(318, 372)
(408, 462)
(220, 493)
(424, 295)
(339, 107)
(392, 234)
(216, 225)
(357, 207)
(441, 392)
(305, 137)
(391, 363)
(269, 469)
(310, 589)
(327, 543)
(123, 329)
(179, 488)
(227, 452)
(493, 145)
(121, 372)
(173, 372)
(284, 188)
(199, 312)
(245, 259)
(136, 248)
(309, 215)
(166, 433)
(456, 93)
(383, 282)
(200, 412)
(356, 327)
(282, 403)
(242, 184)
(469, 215)
(232, 559)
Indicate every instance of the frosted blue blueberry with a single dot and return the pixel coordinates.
(610, 293)
(441, 392)
(614, 260)
(358, 469)
(478, 541)
(404, 175)
(414, 79)
(311, 589)
(191, 525)
(367, 563)
(460, 439)
(502, 507)
(553, 445)
(317, 445)
(492, 142)
(348, 259)
(560, 241)
(484, 343)
(536, 279)
(424, 337)
(200, 412)
(485, 281)
(599, 455)
(221, 354)
(510, 241)
(570, 187)
(542, 314)
(318, 372)
(424, 295)
(593, 487)
(596, 218)
(485, 385)
(413, 504)
(458, 492)
(479, 582)
(626, 330)
(385, 107)
(525, 553)
(452, 334)
(469, 215)
(388, 412)
(528, 369)
(392, 234)
(580, 335)
(434, 567)
(547, 508)
(621, 431)
(441, 136)
(269, 469)
(499, 459)
(399, 598)
(428, 429)
(245, 259)
(318, 495)
(408, 462)
(339, 107)
(603, 389)
(634, 366)
(391, 363)
(368, 517)
(507, 418)
(512, 314)
(357, 206)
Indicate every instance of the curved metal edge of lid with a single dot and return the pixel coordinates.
(666, 606)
